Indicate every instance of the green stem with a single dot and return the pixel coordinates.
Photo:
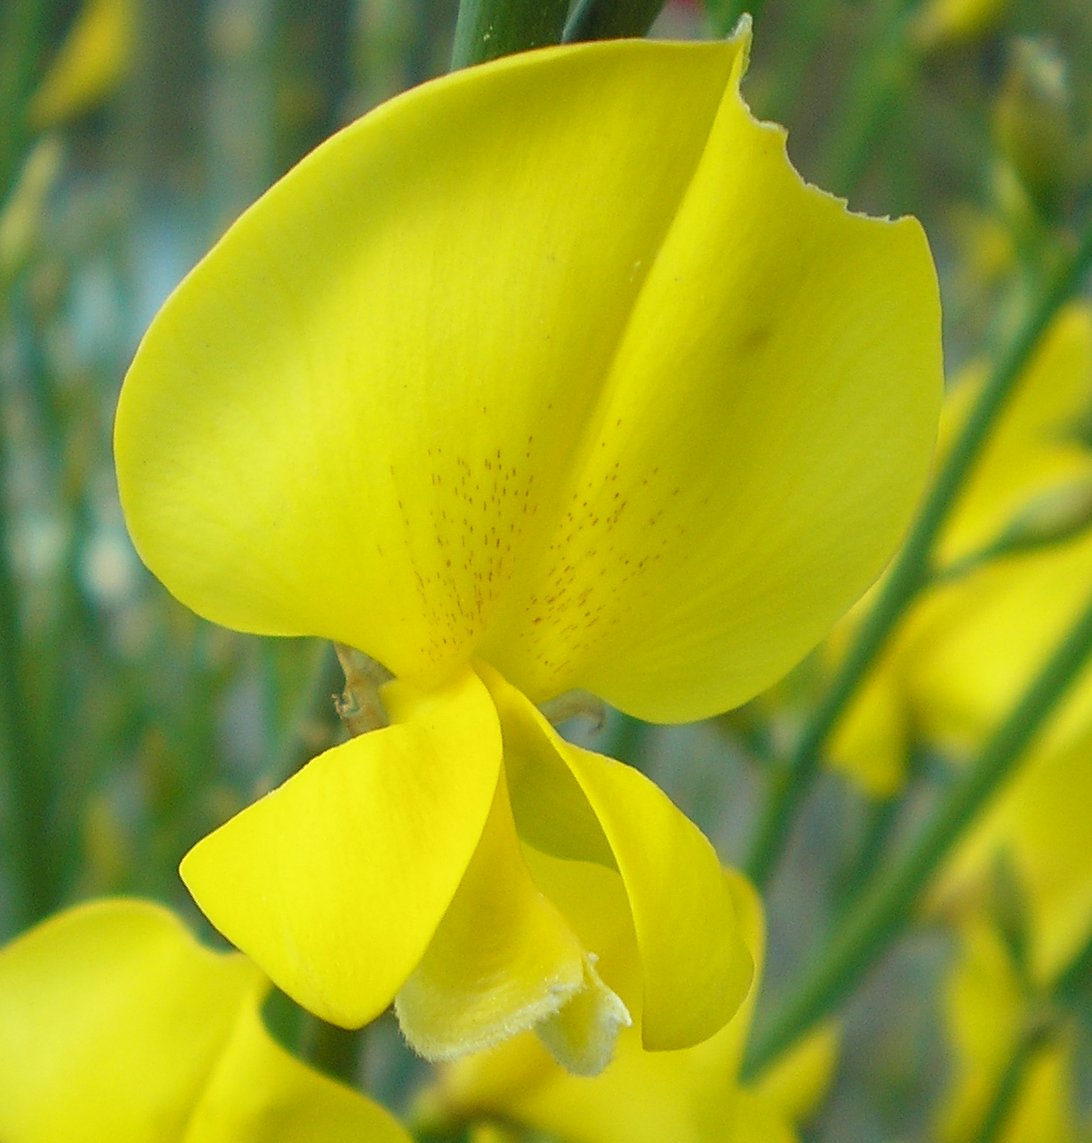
(333, 1050)
(1075, 978)
(611, 19)
(314, 707)
(28, 851)
(723, 15)
(31, 893)
(457, 1133)
(487, 29)
(21, 24)
(27, 795)
(1063, 997)
(883, 816)
(1008, 1088)
(880, 75)
(801, 39)
(886, 910)
(911, 569)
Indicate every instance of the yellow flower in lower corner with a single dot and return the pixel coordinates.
(990, 1008)
(551, 374)
(115, 1024)
(687, 1096)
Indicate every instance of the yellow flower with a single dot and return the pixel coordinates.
(988, 1010)
(687, 1096)
(116, 1024)
(943, 22)
(92, 61)
(970, 646)
(1037, 827)
(548, 375)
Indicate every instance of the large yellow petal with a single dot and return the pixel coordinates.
(335, 882)
(502, 959)
(360, 406)
(111, 1018)
(115, 1024)
(758, 447)
(453, 386)
(695, 967)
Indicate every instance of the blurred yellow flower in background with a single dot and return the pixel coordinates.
(1015, 561)
(89, 65)
(944, 22)
(1019, 553)
(990, 1008)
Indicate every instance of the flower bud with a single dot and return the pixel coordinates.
(1033, 122)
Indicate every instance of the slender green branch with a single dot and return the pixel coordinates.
(885, 911)
(315, 708)
(879, 76)
(723, 15)
(25, 787)
(611, 19)
(1001, 1106)
(911, 569)
(801, 39)
(1075, 978)
(1062, 514)
(487, 29)
(883, 816)
(1063, 997)
(21, 24)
